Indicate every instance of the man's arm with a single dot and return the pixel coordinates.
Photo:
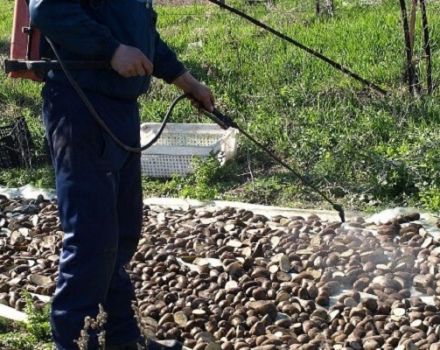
(165, 62)
(65, 22)
(200, 95)
(169, 68)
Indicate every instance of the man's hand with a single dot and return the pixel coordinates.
(200, 95)
(129, 62)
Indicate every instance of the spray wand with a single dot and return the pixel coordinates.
(226, 122)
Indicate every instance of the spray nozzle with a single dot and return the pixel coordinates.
(340, 211)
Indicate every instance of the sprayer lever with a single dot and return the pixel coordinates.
(222, 120)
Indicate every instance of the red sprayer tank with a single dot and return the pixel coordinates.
(25, 42)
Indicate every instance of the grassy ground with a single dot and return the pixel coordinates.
(367, 150)
(34, 335)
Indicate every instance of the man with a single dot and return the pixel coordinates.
(99, 184)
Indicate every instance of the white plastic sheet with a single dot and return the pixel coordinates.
(27, 192)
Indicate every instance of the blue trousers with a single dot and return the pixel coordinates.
(100, 206)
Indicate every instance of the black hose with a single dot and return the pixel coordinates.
(96, 115)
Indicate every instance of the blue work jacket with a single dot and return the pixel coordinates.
(93, 29)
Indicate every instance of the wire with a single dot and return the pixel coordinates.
(331, 62)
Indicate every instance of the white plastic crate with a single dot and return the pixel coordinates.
(174, 152)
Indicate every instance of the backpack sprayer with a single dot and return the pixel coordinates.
(26, 63)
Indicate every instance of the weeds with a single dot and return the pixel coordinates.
(33, 335)
(93, 325)
(42, 177)
(208, 181)
(38, 324)
(36, 333)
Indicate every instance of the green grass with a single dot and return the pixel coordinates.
(33, 335)
(368, 150)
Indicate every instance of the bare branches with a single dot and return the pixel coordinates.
(95, 325)
(412, 24)
(410, 71)
(427, 46)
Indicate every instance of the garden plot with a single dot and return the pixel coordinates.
(245, 281)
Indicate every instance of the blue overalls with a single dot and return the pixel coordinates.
(100, 206)
(98, 184)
